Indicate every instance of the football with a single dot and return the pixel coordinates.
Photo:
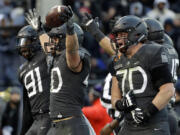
(54, 17)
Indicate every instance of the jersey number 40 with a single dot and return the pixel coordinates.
(56, 86)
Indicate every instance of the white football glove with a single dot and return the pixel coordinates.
(33, 19)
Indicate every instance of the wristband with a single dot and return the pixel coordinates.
(119, 105)
(43, 29)
(151, 110)
(98, 35)
(70, 27)
(95, 31)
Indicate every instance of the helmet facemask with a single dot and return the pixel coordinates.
(27, 42)
(129, 36)
(26, 47)
(121, 41)
(56, 44)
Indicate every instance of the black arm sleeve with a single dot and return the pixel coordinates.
(160, 71)
(161, 75)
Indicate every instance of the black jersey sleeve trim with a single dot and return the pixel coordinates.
(111, 68)
(107, 101)
(161, 75)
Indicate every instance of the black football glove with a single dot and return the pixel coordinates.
(127, 103)
(67, 14)
(143, 115)
(92, 26)
(34, 20)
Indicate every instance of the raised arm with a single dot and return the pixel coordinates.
(34, 20)
(72, 46)
(92, 27)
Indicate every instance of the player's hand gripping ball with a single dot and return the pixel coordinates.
(58, 15)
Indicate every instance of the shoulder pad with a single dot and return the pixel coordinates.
(22, 66)
(63, 53)
(152, 48)
(171, 50)
(21, 70)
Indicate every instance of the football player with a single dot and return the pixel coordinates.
(106, 43)
(140, 70)
(36, 83)
(91, 25)
(156, 34)
(138, 76)
(69, 74)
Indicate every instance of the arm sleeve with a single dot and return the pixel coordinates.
(159, 69)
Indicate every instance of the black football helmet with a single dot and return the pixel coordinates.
(27, 42)
(134, 26)
(155, 30)
(60, 33)
(168, 40)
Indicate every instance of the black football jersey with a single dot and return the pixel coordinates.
(36, 81)
(67, 87)
(173, 61)
(135, 73)
(106, 97)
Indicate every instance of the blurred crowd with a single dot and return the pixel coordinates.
(12, 19)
